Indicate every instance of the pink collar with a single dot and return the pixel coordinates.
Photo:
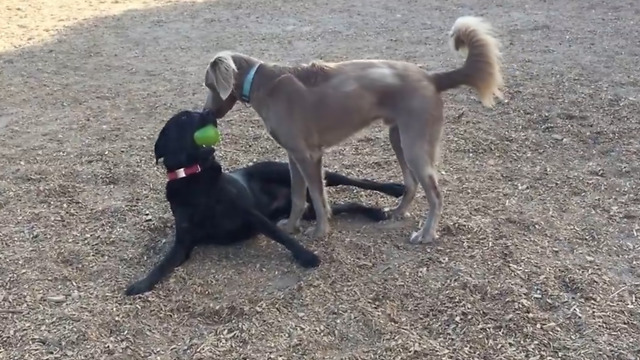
(184, 172)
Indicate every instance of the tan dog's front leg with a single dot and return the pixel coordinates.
(311, 168)
(298, 198)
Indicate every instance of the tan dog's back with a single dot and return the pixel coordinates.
(358, 93)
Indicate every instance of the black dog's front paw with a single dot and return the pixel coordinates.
(139, 287)
(307, 259)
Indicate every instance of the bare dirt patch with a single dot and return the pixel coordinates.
(539, 250)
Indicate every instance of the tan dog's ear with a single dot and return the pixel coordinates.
(221, 74)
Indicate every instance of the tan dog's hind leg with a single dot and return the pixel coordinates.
(420, 153)
(434, 197)
(410, 181)
(311, 168)
(298, 198)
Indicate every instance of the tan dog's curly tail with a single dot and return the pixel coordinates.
(481, 69)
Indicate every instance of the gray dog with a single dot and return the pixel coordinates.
(308, 108)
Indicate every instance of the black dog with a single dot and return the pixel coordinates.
(212, 207)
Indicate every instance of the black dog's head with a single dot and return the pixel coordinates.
(175, 144)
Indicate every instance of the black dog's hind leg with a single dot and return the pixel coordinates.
(278, 172)
(177, 255)
(392, 189)
(186, 257)
(304, 257)
(372, 213)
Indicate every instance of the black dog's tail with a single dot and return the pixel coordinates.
(392, 189)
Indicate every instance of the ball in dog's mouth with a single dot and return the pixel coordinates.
(207, 136)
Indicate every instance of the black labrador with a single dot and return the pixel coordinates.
(210, 206)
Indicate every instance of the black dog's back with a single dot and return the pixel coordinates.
(270, 182)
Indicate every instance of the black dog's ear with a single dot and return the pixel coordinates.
(209, 117)
(160, 147)
(158, 154)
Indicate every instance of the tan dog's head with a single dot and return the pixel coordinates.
(220, 75)
(224, 78)
(219, 80)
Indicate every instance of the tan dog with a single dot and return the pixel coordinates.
(308, 108)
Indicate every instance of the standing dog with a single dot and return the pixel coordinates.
(213, 207)
(308, 108)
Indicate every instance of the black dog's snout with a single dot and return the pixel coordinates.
(210, 117)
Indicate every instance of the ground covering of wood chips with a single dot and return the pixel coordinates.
(538, 256)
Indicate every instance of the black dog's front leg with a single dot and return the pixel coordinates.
(304, 257)
(176, 256)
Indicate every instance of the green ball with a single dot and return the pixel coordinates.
(207, 136)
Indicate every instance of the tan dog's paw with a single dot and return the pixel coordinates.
(419, 237)
(396, 214)
(317, 232)
(288, 228)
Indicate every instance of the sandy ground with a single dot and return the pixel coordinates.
(539, 251)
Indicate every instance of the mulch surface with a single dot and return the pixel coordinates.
(538, 255)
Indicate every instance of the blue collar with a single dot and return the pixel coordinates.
(246, 87)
